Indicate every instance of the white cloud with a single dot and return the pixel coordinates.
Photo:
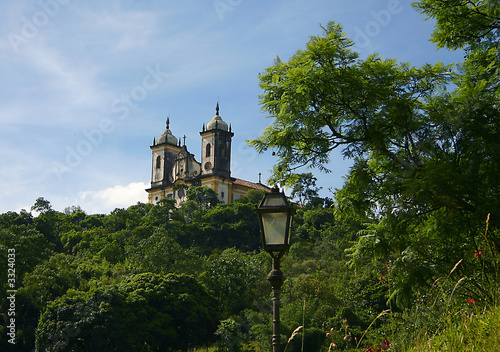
(106, 200)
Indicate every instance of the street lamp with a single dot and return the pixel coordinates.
(275, 217)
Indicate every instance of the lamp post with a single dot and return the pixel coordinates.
(275, 217)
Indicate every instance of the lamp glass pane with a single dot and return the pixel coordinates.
(272, 200)
(274, 227)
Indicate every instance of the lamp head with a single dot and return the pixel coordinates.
(275, 217)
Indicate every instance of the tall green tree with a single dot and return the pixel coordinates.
(425, 160)
(325, 97)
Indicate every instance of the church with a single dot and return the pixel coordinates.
(173, 165)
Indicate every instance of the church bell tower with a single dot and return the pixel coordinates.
(164, 152)
(216, 147)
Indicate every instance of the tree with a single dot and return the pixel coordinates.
(73, 209)
(117, 220)
(160, 215)
(462, 24)
(472, 26)
(304, 188)
(199, 200)
(160, 253)
(325, 98)
(425, 160)
(30, 247)
(145, 312)
(41, 205)
(204, 196)
(232, 225)
(236, 279)
(25, 248)
(51, 224)
(11, 218)
(254, 197)
(55, 277)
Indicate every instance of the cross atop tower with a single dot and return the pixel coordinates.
(217, 109)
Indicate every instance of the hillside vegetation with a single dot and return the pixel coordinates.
(156, 278)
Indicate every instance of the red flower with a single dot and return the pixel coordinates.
(385, 345)
(470, 300)
(381, 278)
(478, 253)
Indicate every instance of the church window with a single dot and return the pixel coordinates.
(223, 150)
(208, 150)
(158, 162)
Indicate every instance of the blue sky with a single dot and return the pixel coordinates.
(86, 85)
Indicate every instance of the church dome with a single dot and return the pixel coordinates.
(167, 136)
(217, 123)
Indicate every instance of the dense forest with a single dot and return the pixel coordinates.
(159, 278)
(405, 257)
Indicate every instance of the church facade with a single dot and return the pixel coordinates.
(173, 165)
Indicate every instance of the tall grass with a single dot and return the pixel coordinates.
(452, 323)
(471, 332)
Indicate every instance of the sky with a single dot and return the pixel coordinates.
(87, 85)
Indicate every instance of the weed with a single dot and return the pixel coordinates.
(294, 333)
